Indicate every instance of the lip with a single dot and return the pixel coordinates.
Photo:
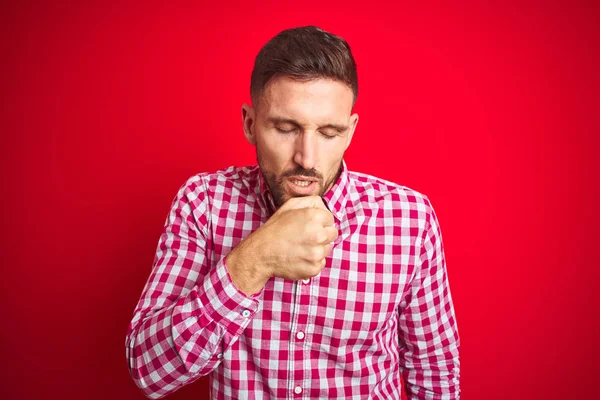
(302, 190)
(303, 178)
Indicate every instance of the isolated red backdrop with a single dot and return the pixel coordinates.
(492, 111)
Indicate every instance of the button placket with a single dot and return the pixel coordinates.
(298, 352)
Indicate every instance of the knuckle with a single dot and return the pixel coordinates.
(320, 237)
(316, 254)
(329, 217)
(325, 215)
(316, 267)
(315, 214)
(321, 265)
(334, 234)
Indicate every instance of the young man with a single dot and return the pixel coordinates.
(297, 278)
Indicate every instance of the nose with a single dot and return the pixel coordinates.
(306, 150)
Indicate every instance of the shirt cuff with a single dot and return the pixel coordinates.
(224, 303)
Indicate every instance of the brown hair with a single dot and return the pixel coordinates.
(304, 54)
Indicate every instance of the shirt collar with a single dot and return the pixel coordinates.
(265, 194)
(335, 199)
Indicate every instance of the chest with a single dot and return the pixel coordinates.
(357, 294)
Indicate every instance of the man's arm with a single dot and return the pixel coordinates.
(429, 336)
(190, 312)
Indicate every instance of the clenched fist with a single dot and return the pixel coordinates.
(292, 244)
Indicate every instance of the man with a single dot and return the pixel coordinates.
(297, 278)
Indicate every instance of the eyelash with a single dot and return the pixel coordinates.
(284, 131)
(328, 137)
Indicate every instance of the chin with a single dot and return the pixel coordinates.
(316, 192)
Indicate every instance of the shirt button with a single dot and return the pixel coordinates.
(300, 335)
(245, 313)
(297, 390)
(306, 281)
(220, 355)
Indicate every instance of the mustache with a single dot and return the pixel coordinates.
(300, 171)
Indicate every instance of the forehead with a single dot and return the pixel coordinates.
(319, 100)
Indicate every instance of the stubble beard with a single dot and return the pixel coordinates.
(276, 183)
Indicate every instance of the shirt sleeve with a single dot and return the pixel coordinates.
(429, 348)
(190, 312)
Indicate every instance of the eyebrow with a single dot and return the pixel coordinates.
(278, 120)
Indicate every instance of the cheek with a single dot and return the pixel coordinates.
(274, 153)
(332, 154)
(330, 161)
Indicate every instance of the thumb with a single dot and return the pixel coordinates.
(304, 202)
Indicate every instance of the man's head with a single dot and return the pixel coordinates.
(303, 88)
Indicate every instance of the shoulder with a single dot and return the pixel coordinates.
(392, 200)
(227, 180)
(205, 190)
(374, 190)
(201, 193)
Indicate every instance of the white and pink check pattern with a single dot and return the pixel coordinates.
(380, 308)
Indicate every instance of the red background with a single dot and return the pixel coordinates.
(492, 111)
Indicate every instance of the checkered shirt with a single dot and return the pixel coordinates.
(380, 309)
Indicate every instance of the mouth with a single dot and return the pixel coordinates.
(302, 185)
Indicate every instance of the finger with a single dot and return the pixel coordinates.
(321, 204)
(325, 217)
(304, 202)
(327, 249)
(331, 234)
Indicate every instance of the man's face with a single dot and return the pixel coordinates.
(301, 131)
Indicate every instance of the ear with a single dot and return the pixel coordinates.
(248, 119)
(353, 123)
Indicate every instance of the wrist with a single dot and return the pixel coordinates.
(245, 269)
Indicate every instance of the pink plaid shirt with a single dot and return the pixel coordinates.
(380, 308)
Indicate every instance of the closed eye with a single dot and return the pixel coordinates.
(285, 130)
(329, 135)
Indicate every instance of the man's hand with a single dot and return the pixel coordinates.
(292, 244)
